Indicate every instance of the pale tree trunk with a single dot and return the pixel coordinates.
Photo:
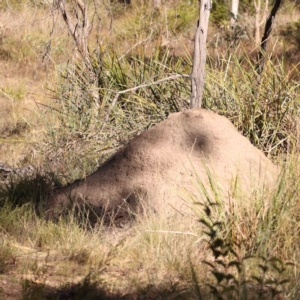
(156, 4)
(258, 22)
(198, 73)
(234, 13)
(257, 15)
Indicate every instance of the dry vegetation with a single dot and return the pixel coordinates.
(49, 119)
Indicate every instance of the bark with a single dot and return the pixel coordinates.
(198, 73)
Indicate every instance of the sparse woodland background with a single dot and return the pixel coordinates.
(66, 107)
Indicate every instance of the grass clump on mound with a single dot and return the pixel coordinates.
(250, 240)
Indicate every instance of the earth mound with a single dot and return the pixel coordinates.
(168, 159)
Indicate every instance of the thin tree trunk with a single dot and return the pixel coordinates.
(79, 28)
(234, 13)
(198, 73)
(258, 22)
(156, 4)
(264, 40)
(257, 16)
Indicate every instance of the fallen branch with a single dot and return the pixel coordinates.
(173, 232)
(135, 45)
(172, 77)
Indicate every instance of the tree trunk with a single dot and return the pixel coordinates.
(234, 13)
(258, 22)
(267, 32)
(257, 16)
(198, 74)
(156, 4)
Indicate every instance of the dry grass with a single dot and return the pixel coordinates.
(157, 257)
(123, 262)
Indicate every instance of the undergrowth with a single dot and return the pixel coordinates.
(248, 249)
(250, 240)
(91, 129)
(244, 249)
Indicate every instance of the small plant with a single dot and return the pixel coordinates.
(243, 264)
(230, 268)
(220, 13)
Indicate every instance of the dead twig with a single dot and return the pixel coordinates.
(135, 45)
(172, 77)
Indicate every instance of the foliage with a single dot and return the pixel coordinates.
(245, 261)
(182, 15)
(229, 270)
(220, 12)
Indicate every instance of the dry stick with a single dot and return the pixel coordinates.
(174, 232)
(81, 6)
(47, 53)
(135, 45)
(70, 25)
(109, 11)
(263, 45)
(172, 77)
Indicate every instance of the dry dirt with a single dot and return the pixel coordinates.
(163, 167)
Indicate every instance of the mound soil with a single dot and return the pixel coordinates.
(170, 166)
